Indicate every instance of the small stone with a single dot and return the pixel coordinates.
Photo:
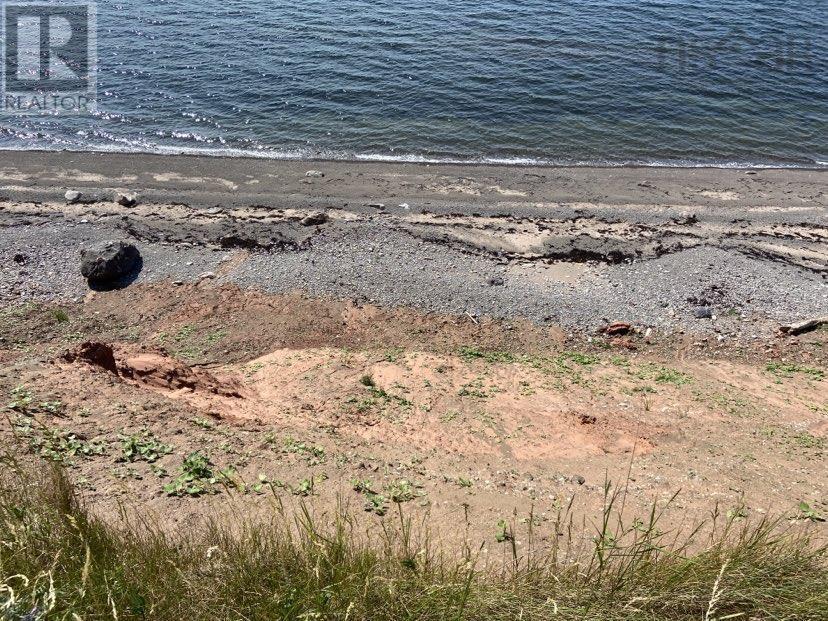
(314, 219)
(315, 174)
(495, 281)
(703, 312)
(578, 479)
(126, 200)
(20, 258)
(72, 196)
(686, 218)
(207, 276)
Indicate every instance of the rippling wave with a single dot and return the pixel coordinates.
(653, 82)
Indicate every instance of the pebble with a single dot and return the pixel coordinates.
(126, 200)
(72, 196)
(703, 312)
(314, 219)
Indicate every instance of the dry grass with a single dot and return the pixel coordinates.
(59, 562)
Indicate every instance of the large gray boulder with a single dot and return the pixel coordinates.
(108, 262)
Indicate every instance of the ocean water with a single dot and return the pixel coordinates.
(673, 82)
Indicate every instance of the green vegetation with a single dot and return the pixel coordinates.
(307, 486)
(379, 398)
(189, 343)
(55, 444)
(402, 491)
(807, 513)
(783, 370)
(143, 447)
(24, 402)
(474, 389)
(205, 424)
(468, 354)
(374, 502)
(394, 354)
(59, 315)
(662, 375)
(808, 441)
(561, 361)
(314, 454)
(196, 477)
(568, 365)
(58, 561)
(449, 416)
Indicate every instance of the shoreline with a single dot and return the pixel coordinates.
(356, 158)
(238, 179)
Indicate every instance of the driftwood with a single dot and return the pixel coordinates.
(803, 326)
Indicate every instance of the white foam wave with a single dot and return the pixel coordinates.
(140, 146)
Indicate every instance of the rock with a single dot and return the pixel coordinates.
(686, 218)
(20, 258)
(315, 174)
(207, 276)
(703, 312)
(94, 353)
(314, 219)
(578, 479)
(109, 261)
(619, 328)
(804, 326)
(72, 196)
(126, 200)
(495, 281)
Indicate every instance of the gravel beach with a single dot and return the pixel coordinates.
(709, 251)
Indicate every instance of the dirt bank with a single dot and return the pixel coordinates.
(466, 420)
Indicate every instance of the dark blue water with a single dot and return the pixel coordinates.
(601, 81)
